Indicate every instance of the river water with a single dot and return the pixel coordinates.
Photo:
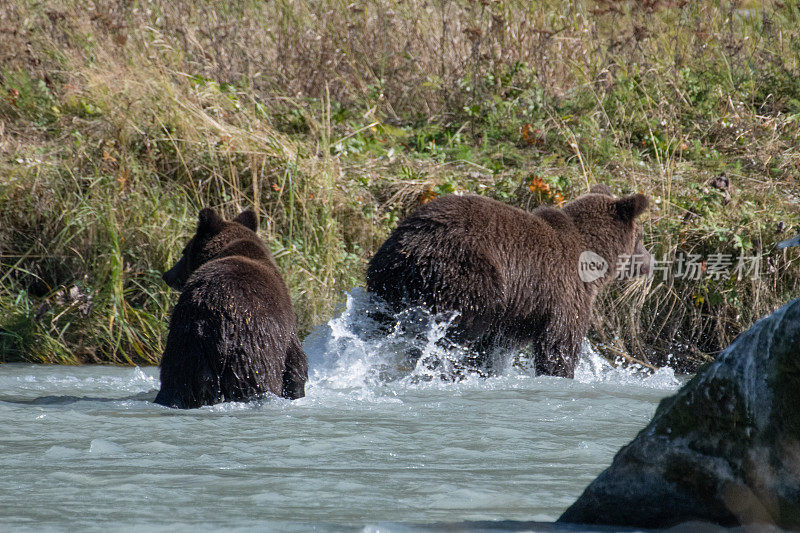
(370, 448)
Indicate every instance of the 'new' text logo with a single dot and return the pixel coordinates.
(591, 266)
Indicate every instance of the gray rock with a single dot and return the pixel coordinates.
(724, 449)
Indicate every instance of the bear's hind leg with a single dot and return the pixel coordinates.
(170, 398)
(557, 358)
(295, 374)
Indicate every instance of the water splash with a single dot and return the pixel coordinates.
(593, 368)
(359, 349)
(359, 352)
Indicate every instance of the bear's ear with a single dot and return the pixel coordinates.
(208, 221)
(601, 188)
(248, 219)
(631, 207)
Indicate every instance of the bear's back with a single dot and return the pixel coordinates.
(473, 230)
(474, 218)
(252, 287)
(471, 253)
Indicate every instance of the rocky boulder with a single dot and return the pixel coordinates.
(724, 449)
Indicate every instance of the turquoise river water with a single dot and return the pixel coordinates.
(368, 449)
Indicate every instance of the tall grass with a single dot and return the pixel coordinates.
(333, 119)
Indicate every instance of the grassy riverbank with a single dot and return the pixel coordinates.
(334, 119)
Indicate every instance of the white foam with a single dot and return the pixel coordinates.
(105, 447)
(593, 368)
(355, 355)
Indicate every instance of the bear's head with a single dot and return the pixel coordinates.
(611, 231)
(214, 238)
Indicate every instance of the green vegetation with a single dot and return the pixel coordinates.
(119, 120)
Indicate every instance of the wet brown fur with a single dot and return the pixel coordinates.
(511, 274)
(232, 334)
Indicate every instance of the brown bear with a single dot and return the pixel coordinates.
(232, 334)
(516, 278)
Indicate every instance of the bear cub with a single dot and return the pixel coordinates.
(516, 278)
(232, 334)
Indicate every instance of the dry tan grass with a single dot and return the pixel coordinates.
(138, 114)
